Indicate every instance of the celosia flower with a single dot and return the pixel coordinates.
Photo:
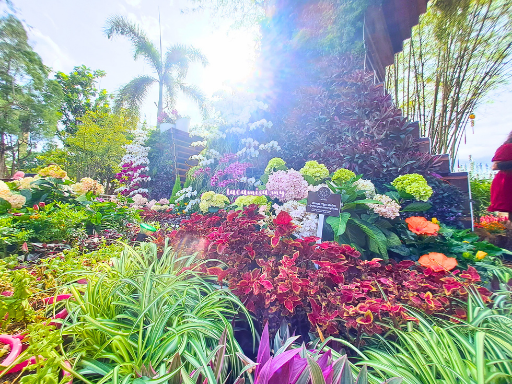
(421, 226)
(273, 164)
(315, 170)
(342, 175)
(413, 184)
(290, 182)
(388, 209)
(438, 262)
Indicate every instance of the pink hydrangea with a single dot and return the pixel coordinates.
(293, 184)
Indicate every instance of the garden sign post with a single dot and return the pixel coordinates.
(323, 202)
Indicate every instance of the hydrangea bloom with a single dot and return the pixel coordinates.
(88, 185)
(274, 163)
(342, 175)
(315, 170)
(16, 201)
(366, 186)
(388, 209)
(25, 183)
(413, 184)
(306, 222)
(134, 165)
(53, 171)
(243, 201)
(212, 199)
(291, 182)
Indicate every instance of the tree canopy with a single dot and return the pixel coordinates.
(29, 101)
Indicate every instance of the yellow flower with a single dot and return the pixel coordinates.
(466, 241)
(435, 221)
(480, 255)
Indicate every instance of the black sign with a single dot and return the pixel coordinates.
(324, 202)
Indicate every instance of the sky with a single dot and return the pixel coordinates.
(68, 33)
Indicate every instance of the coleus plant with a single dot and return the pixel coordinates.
(293, 365)
(328, 284)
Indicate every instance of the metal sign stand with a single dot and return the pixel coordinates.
(320, 228)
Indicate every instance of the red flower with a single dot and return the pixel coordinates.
(421, 226)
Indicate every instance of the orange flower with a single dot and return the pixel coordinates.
(421, 226)
(438, 262)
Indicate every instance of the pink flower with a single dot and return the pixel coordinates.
(291, 182)
(18, 175)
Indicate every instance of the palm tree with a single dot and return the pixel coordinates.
(170, 70)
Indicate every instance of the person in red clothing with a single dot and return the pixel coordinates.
(501, 187)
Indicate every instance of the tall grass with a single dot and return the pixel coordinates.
(133, 320)
(475, 351)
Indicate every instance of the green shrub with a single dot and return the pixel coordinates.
(481, 195)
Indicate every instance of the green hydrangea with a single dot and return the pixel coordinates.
(274, 163)
(413, 184)
(212, 199)
(315, 170)
(342, 175)
(244, 201)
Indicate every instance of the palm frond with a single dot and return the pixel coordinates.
(195, 94)
(132, 95)
(118, 25)
(180, 56)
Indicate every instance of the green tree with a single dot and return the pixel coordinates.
(459, 52)
(97, 147)
(170, 70)
(80, 96)
(29, 101)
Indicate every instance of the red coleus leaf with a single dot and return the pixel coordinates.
(366, 319)
(275, 241)
(232, 215)
(250, 250)
(283, 218)
(471, 274)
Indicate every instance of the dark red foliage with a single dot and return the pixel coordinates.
(328, 282)
(341, 118)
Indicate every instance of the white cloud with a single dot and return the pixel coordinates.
(133, 3)
(50, 51)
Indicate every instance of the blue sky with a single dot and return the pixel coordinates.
(70, 33)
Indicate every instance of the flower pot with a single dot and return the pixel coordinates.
(182, 124)
(166, 126)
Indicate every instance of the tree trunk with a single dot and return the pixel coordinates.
(3, 167)
(160, 101)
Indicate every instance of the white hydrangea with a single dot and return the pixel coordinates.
(388, 209)
(366, 186)
(198, 144)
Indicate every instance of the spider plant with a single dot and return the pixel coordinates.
(132, 321)
(475, 351)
